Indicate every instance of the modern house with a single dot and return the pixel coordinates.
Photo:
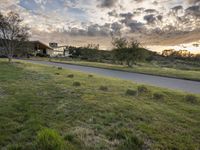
(42, 48)
(29, 47)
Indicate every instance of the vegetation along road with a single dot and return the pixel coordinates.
(171, 83)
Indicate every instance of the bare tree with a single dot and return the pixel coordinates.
(12, 32)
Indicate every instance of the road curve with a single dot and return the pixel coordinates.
(165, 82)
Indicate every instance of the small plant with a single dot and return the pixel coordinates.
(158, 96)
(70, 76)
(90, 76)
(69, 137)
(76, 84)
(15, 147)
(143, 89)
(48, 139)
(103, 88)
(57, 73)
(59, 68)
(191, 98)
(131, 92)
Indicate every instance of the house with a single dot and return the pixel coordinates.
(59, 50)
(28, 47)
(42, 48)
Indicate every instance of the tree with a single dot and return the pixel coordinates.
(128, 51)
(12, 33)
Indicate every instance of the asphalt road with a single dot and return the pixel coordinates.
(165, 82)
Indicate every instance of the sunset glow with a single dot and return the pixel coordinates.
(161, 23)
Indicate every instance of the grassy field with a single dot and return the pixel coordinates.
(91, 112)
(168, 69)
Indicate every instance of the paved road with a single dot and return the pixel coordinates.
(171, 83)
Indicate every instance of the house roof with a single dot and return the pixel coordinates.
(41, 45)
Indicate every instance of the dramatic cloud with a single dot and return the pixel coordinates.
(108, 3)
(78, 22)
(194, 10)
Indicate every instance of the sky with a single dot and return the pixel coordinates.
(157, 24)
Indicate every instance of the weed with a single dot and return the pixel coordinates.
(142, 89)
(70, 76)
(131, 92)
(76, 84)
(48, 139)
(191, 98)
(158, 96)
(90, 76)
(103, 88)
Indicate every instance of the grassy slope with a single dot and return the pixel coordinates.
(188, 73)
(33, 96)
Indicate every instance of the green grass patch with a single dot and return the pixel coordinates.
(39, 107)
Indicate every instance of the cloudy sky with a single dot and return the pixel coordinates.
(158, 24)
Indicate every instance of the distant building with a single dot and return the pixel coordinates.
(42, 48)
(36, 47)
(61, 51)
(53, 45)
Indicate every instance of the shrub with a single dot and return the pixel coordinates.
(48, 139)
(57, 73)
(90, 76)
(191, 98)
(42, 55)
(76, 84)
(70, 76)
(158, 96)
(59, 68)
(143, 89)
(103, 88)
(131, 92)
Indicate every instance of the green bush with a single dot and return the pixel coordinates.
(103, 88)
(158, 96)
(59, 68)
(57, 73)
(131, 92)
(191, 98)
(48, 139)
(142, 89)
(76, 84)
(70, 76)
